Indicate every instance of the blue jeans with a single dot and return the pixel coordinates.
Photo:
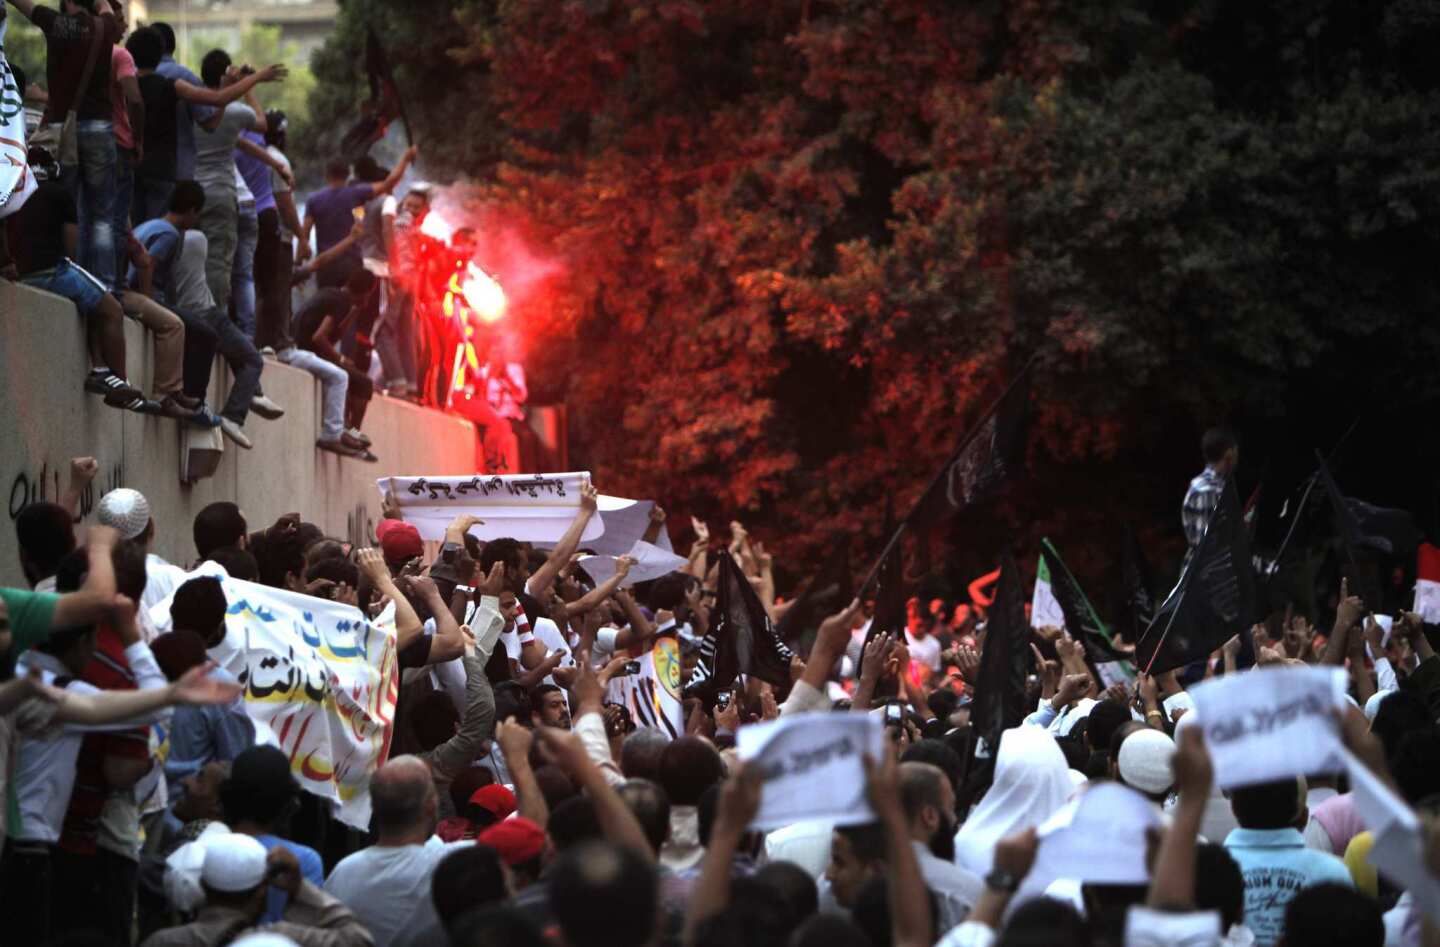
(92, 185)
(124, 190)
(151, 198)
(242, 274)
(395, 338)
(239, 352)
(67, 280)
(334, 384)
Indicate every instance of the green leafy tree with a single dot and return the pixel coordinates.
(261, 46)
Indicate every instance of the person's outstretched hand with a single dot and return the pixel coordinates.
(196, 686)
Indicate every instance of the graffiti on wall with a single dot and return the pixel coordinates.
(51, 484)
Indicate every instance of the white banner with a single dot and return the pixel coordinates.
(651, 562)
(811, 764)
(17, 181)
(1271, 723)
(1097, 838)
(653, 695)
(532, 508)
(320, 683)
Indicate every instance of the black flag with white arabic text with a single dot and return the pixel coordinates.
(741, 639)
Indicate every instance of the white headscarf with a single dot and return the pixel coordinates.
(1032, 780)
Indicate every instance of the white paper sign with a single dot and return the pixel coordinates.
(651, 562)
(1098, 838)
(811, 764)
(1399, 848)
(1272, 723)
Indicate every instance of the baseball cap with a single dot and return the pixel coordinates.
(124, 510)
(494, 799)
(233, 863)
(517, 840)
(399, 541)
(1145, 761)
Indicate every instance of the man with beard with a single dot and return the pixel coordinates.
(929, 803)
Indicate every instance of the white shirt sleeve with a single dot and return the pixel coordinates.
(147, 677)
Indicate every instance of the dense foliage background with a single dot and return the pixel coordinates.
(803, 243)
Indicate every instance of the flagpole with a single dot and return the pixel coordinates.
(945, 470)
(1280, 553)
(1184, 585)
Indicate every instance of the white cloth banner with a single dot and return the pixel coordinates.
(320, 683)
(653, 696)
(651, 562)
(1098, 838)
(17, 181)
(1271, 723)
(532, 508)
(811, 765)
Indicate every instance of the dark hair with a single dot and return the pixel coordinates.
(1076, 756)
(432, 719)
(756, 916)
(689, 766)
(1219, 885)
(275, 127)
(640, 753)
(465, 785)
(942, 704)
(146, 47)
(555, 785)
(1216, 443)
(537, 696)
(668, 592)
(936, 753)
(469, 877)
(867, 840)
(1105, 718)
(260, 787)
(1401, 712)
(829, 930)
(360, 282)
(1044, 922)
(1118, 737)
(323, 548)
(572, 823)
(336, 169)
(178, 651)
(512, 700)
(504, 550)
(219, 524)
(1272, 805)
(62, 640)
(603, 873)
(188, 197)
(238, 563)
(167, 35)
(1331, 913)
(795, 886)
(199, 606)
(128, 560)
(277, 558)
(705, 812)
(337, 570)
(651, 808)
(872, 910)
(1416, 764)
(496, 926)
(45, 533)
(213, 66)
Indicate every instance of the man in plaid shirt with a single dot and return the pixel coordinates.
(1222, 455)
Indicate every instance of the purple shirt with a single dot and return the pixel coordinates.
(334, 213)
(256, 173)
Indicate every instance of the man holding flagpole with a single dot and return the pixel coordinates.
(1222, 456)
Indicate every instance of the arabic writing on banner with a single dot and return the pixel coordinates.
(653, 695)
(17, 182)
(536, 508)
(321, 679)
(1271, 724)
(812, 768)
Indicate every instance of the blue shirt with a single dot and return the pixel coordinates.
(162, 241)
(333, 210)
(1276, 865)
(186, 115)
(256, 173)
(199, 735)
(311, 869)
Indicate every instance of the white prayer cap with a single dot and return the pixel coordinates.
(124, 510)
(1372, 706)
(184, 866)
(1145, 761)
(233, 863)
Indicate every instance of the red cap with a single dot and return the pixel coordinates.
(399, 541)
(494, 799)
(516, 840)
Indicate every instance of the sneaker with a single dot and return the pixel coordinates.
(187, 401)
(338, 447)
(110, 384)
(356, 438)
(236, 433)
(196, 414)
(140, 405)
(266, 408)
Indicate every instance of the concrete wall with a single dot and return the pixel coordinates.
(46, 418)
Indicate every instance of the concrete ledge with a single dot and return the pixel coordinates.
(46, 418)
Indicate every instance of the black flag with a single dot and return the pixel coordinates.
(740, 641)
(1363, 525)
(383, 106)
(831, 590)
(1080, 619)
(1138, 587)
(1214, 599)
(1005, 661)
(990, 454)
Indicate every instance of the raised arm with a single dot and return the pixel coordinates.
(739, 801)
(616, 820)
(641, 629)
(1172, 886)
(388, 185)
(408, 626)
(82, 471)
(104, 709)
(94, 599)
(910, 924)
(544, 576)
(515, 741)
(601, 592)
(26, 8)
(1348, 613)
(264, 156)
(830, 642)
(219, 98)
(656, 524)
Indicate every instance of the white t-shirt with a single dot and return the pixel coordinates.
(925, 650)
(383, 885)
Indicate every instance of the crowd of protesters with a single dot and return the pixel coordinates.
(520, 804)
(176, 207)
